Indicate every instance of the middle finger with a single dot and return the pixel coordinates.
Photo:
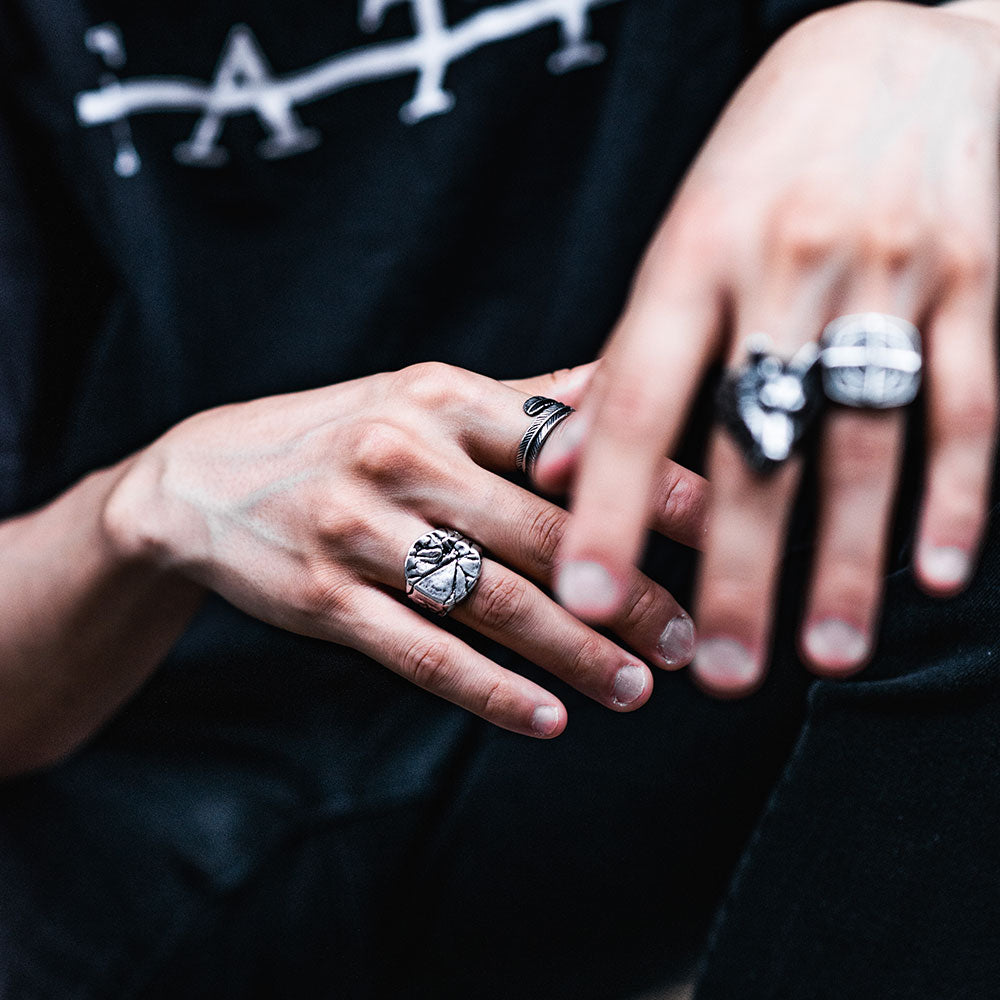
(525, 532)
(749, 512)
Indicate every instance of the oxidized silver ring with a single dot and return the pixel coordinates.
(871, 360)
(547, 415)
(768, 403)
(441, 569)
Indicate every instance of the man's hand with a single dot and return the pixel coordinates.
(855, 171)
(300, 510)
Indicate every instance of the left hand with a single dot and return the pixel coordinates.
(856, 170)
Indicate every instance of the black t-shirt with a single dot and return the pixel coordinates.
(209, 202)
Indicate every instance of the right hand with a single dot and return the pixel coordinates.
(300, 509)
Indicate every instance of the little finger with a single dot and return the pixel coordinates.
(430, 657)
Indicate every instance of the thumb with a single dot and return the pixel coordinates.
(568, 385)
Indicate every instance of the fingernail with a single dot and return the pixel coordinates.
(545, 720)
(676, 642)
(725, 663)
(586, 587)
(946, 565)
(834, 643)
(630, 685)
(564, 440)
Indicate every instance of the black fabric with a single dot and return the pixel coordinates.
(875, 869)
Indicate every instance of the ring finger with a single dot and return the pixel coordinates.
(859, 466)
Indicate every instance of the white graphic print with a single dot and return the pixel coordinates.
(245, 84)
(106, 41)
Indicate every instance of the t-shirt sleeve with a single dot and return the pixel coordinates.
(20, 318)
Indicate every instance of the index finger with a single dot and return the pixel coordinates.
(636, 409)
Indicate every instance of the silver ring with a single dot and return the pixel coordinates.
(871, 360)
(441, 569)
(548, 414)
(768, 403)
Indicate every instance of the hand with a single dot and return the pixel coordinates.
(300, 510)
(855, 171)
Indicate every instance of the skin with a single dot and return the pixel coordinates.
(864, 150)
(300, 509)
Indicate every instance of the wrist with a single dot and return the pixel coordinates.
(130, 534)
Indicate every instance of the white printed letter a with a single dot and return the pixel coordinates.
(244, 82)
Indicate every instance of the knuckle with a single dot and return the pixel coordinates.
(544, 536)
(494, 701)
(424, 662)
(961, 507)
(338, 525)
(381, 450)
(897, 227)
(643, 606)
(503, 605)
(587, 656)
(966, 258)
(804, 244)
(681, 502)
(865, 455)
(892, 244)
(735, 600)
(850, 579)
(629, 411)
(431, 385)
(325, 593)
(803, 231)
(968, 415)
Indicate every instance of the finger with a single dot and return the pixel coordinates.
(488, 420)
(749, 512)
(636, 408)
(505, 607)
(404, 641)
(479, 416)
(557, 462)
(525, 532)
(680, 496)
(568, 385)
(739, 573)
(961, 390)
(860, 456)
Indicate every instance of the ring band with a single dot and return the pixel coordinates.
(871, 360)
(547, 415)
(441, 569)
